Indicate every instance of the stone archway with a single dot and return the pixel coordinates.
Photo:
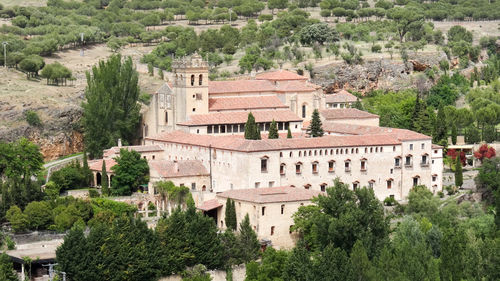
(98, 179)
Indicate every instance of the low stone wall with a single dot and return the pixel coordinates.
(217, 275)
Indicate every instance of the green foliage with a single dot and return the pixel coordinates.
(72, 176)
(197, 273)
(440, 130)
(459, 177)
(271, 267)
(315, 128)
(32, 118)
(247, 240)
(273, 130)
(341, 218)
(289, 134)
(390, 201)
(31, 65)
(176, 194)
(56, 73)
(230, 218)
(317, 33)
(104, 180)
(131, 171)
(18, 220)
(38, 215)
(111, 110)
(395, 109)
(7, 272)
(454, 134)
(118, 209)
(252, 130)
(421, 201)
(472, 135)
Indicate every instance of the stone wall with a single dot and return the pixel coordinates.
(217, 275)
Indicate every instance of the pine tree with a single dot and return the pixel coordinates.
(252, 131)
(86, 171)
(289, 134)
(273, 130)
(454, 134)
(230, 214)
(315, 128)
(104, 179)
(440, 130)
(459, 177)
(6, 268)
(248, 242)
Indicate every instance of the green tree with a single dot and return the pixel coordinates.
(38, 215)
(317, 33)
(86, 170)
(31, 65)
(230, 218)
(252, 131)
(247, 240)
(490, 133)
(444, 65)
(273, 130)
(299, 265)
(315, 128)
(110, 110)
(17, 219)
(453, 134)
(459, 177)
(131, 171)
(358, 104)
(472, 135)
(104, 179)
(32, 118)
(277, 4)
(72, 255)
(440, 130)
(289, 133)
(363, 269)
(56, 73)
(7, 272)
(406, 19)
(197, 273)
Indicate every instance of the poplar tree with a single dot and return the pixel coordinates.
(315, 128)
(273, 131)
(110, 109)
(459, 177)
(104, 179)
(289, 134)
(230, 214)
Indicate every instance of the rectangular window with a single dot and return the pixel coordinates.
(280, 126)
(370, 184)
(347, 166)
(397, 162)
(434, 178)
(263, 165)
(229, 128)
(272, 230)
(199, 96)
(415, 181)
(424, 159)
(222, 129)
(422, 145)
(209, 129)
(282, 209)
(216, 129)
(363, 165)
(193, 186)
(389, 184)
(323, 187)
(271, 183)
(315, 168)
(354, 186)
(298, 168)
(331, 166)
(257, 184)
(263, 211)
(411, 146)
(408, 161)
(282, 169)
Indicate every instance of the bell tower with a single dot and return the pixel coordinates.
(190, 87)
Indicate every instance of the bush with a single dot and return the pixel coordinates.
(11, 245)
(440, 194)
(376, 48)
(145, 98)
(450, 189)
(94, 193)
(390, 201)
(32, 118)
(263, 18)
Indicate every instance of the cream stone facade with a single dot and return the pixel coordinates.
(270, 211)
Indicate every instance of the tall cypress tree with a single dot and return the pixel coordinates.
(454, 134)
(289, 134)
(230, 214)
(248, 242)
(459, 177)
(440, 130)
(273, 130)
(86, 171)
(252, 131)
(315, 128)
(104, 179)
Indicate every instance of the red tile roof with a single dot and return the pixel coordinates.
(280, 75)
(210, 205)
(115, 150)
(239, 117)
(96, 165)
(239, 103)
(238, 143)
(351, 129)
(185, 168)
(341, 96)
(258, 86)
(346, 113)
(270, 194)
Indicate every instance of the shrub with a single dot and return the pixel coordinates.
(145, 98)
(440, 194)
(94, 193)
(11, 245)
(376, 48)
(390, 201)
(450, 189)
(265, 18)
(32, 118)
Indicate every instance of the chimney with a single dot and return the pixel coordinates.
(119, 142)
(176, 166)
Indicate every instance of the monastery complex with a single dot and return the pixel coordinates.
(193, 136)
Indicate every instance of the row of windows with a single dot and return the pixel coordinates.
(424, 161)
(337, 151)
(240, 128)
(314, 166)
(422, 146)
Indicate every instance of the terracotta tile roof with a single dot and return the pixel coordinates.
(352, 129)
(238, 143)
(115, 150)
(346, 113)
(280, 75)
(238, 103)
(96, 165)
(258, 86)
(240, 117)
(185, 168)
(341, 96)
(435, 146)
(270, 194)
(210, 205)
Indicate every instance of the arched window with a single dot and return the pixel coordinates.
(200, 79)
(304, 108)
(282, 169)
(192, 80)
(166, 117)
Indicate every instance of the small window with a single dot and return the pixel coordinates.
(304, 111)
(263, 211)
(315, 167)
(434, 178)
(192, 80)
(272, 230)
(424, 160)
(322, 187)
(397, 162)
(415, 181)
(271, 183)
(200, 79)
(257, 184)
(282, 169)
(408, 161)
(347, 165)
(263, 165)
(194, 109)
(355, 185)
(290, 229)
(193, 186)
(307, 186)
(411, 146)
(166, 117)
(298, 168)
(393, 148)
(282, 209)
(363, 165)
(331, 166)
(371, 184)
(389, 184)
(422, 145)
(209, 129)
(199, 96)
(221, 223)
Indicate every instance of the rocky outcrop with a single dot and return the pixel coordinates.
(384, 74)
(59, 134)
